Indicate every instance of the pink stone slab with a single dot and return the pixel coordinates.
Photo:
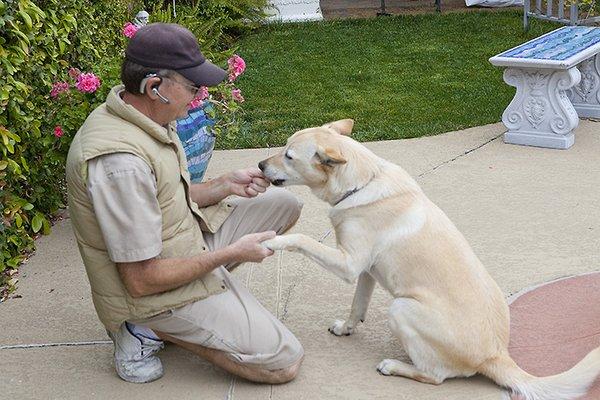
(553, 326)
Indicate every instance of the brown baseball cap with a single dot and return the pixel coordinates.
(171, 46)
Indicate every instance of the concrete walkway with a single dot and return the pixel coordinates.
(532, 215)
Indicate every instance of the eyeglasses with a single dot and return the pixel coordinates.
(194, 90)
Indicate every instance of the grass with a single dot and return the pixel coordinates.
(397, 77)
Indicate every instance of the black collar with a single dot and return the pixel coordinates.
(346, 195)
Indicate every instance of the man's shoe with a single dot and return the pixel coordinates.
(134, 356)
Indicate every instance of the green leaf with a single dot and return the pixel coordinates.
(24, 164)
(14, 262)
(36, 222)
(26, 19)
(21, 35)
(46, 227)
(18, 220)
(28, 207)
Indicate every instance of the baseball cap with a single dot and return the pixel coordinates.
(171, 46)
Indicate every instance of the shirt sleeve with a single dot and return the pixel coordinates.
(123, 192)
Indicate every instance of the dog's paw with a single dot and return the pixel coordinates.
(386, 367)
(277, 243)
(340, 328)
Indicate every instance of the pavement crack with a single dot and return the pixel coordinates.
(459, 156)
(231, 390)
(279, 282)
(61, 344)
(286, 301)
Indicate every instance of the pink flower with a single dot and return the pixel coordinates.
(58, 132)
(237, 66)
(58, 88)
(129, 30)
(195, 103)
(87, 82)
(236, 94)
(74, 73)
(202, 95)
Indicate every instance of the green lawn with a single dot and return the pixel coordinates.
(397, 77)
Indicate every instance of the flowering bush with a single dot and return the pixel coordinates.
(226, 99)
(40, 109)
(58, 131)
(87, 83)
(129, 30)
(237, 66)
(75, 96)
(58, 88)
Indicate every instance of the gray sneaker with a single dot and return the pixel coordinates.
(134, 356)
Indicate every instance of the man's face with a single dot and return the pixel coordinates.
(180, 92)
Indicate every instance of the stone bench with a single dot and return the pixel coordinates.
(557, 77)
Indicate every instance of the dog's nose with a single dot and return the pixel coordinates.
(261, 165)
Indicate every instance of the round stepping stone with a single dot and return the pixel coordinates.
(554, 325)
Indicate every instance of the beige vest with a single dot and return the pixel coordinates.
(118, 127)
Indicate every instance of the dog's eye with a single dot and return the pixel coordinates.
(287, 155)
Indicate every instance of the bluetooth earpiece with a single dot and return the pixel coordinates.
(154, 88)
(160, 96)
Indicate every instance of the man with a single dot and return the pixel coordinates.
(157, 250)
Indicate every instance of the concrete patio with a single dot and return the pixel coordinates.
(531, 214)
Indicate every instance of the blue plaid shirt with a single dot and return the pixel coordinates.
(198, 140)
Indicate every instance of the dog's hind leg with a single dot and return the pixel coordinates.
(415, 325)
(400, 368)
(362, 297)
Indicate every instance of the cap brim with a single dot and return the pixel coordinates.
(205, 74)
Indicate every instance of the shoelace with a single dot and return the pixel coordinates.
(149, 349)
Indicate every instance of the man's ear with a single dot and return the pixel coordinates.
(329, 156)
(343, 126)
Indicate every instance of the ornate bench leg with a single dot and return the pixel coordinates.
(586, 95)
(541, 114)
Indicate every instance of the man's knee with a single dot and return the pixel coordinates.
(286, 205)
(287, 374)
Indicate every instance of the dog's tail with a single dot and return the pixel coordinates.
(568, 385)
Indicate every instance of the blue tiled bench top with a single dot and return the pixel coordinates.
(560, 49)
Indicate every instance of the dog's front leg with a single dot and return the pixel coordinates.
(362, 297)
(338, 261)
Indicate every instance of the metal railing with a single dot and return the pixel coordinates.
(556, 14)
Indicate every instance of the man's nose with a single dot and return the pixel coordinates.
(261, 165)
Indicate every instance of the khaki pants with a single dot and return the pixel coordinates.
(234, 321)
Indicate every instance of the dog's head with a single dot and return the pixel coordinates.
(309, 156)
(323, 158)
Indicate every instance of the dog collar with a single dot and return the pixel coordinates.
(346, 195)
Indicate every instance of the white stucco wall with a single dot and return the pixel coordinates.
(294, 10)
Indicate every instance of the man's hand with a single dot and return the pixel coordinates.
(247, 182)
(249, 247)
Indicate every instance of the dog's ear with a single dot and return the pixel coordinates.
(329, 156)
(343, 126)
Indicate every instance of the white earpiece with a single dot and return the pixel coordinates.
(160, 96)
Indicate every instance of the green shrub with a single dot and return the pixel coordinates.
(39, 42)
